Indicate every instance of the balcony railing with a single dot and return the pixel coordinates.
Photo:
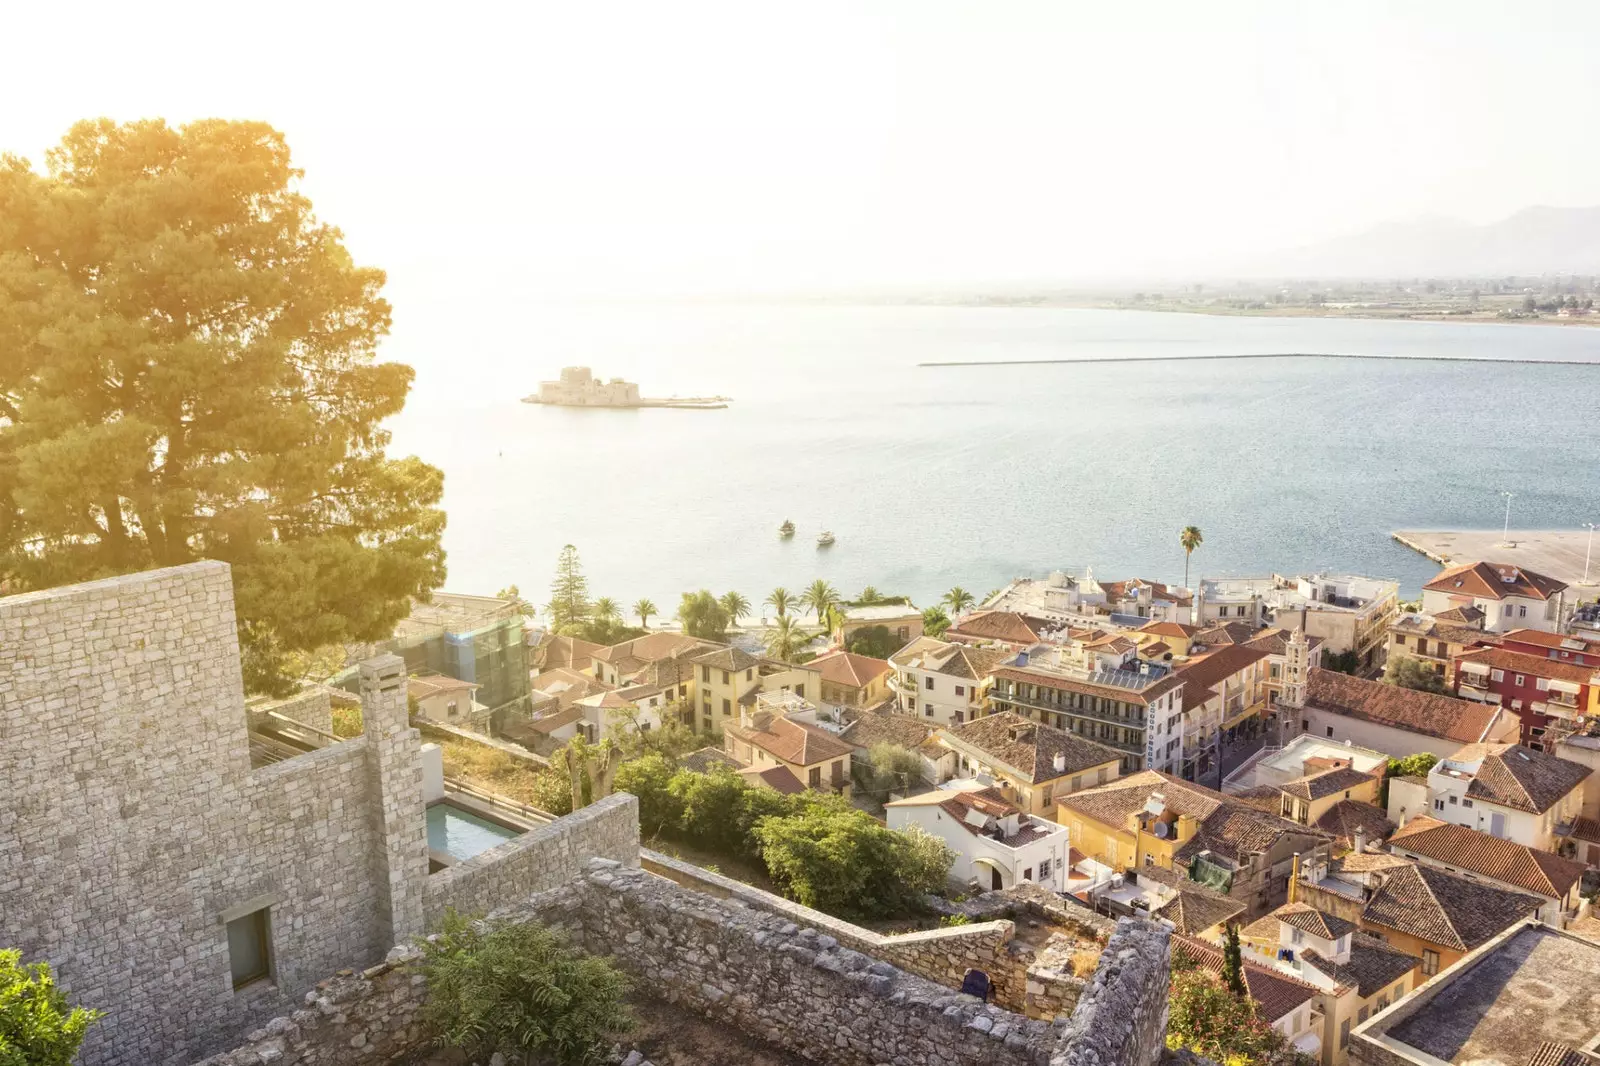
(1000, 696)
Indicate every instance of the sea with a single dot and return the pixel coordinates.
(931, 477)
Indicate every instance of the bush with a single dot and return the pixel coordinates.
(650, 779)
(1206, 1018)
(840, 860)
(518, 988)
(37, 1027)
(875, 641)
(886, 768)
(1411, 673)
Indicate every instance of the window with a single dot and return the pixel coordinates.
(725, 678)
(1077, 783)
(1383, 1001)
(1521, 680)
(800, 690)
(959, 717)
(1438, 804)
(1497, 675)
(960, 691)
(1344, 1034)
(1100, 775)
(1361, 1016)
(927, 683)
(1430, 962)
(1330, 730)
(1542, 684)
(250, 948)
(1522, 611)
(1044, 869)
(1027, 873)
(1453, 801)
(1044, 795)
(927, 710)
(836, 772)
(450, 709)
(815, 777)
(1297, 936)
(705, 723)
(705, 674)
(1466, 803)
(1399, 642)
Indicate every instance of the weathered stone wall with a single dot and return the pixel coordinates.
(795, 986)
(1121, 1018)
(312, 706)
(131, 819)
(540, 859)
(940, 955)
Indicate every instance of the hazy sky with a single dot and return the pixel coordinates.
(691, 146)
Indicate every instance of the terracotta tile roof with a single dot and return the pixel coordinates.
(901, 729)
(434, 684)
(1444, 909)
(1226, 633)
(556, 651)
(989, 801)
(1554, 641)
(1367, 862)
(1276, 993)
(1553, 1054)
(708, 760)
(1465, 615)
(1169, 629)
(962, 661)
(1521, 662)
(1586, 829)
(1373, 966)
(1030, 747)
(1275, 641)
(553, 721)
(1154, 649)
(1494, 581)
(1114, 642)
(777, 778)
(1008, 626)
(1194, 910)
(1401, 708)
(850, 670)
(1319, 786)
(1305, 917)
(731, 659)
(652, 646)
(1210, 671)
(792, 742)
(1514, 864)
(566, 686)
(1518, 777)
(1226, 826)
(1346, 816)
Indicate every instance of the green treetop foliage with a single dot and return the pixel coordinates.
(1190, 538)
(830, 856)
(703, 616)
(1208, 1019)
(187, 370)
(736, 605)
(820, 597)
(1342, 662)
(875, 641)
(935, 621)
(607, 609)
(886, 768)
(517, 987)
(780, 601)
(1407, 672)
(569, 603)
(645, 610)
(958, 599)
(786, 638)
(1233, 963)
(512, 593)
(1416, 765)
(37, 1027)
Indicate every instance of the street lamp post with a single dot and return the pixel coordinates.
(1505, 535)
(1588, 551)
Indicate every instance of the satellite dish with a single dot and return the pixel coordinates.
(1161, 830)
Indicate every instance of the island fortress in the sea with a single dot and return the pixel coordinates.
(578, 387)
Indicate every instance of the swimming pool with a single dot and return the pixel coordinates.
(459, 833)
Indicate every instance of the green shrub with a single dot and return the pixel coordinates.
(519, 989)
(37, 1027)
(840, 860)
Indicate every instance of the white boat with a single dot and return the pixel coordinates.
(824, 539)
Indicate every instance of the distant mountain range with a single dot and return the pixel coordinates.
(1535, 240)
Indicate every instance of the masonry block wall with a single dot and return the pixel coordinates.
(131, 823)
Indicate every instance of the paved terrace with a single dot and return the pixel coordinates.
(1554, 553)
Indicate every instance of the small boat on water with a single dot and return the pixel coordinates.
(786, 530)
(824, 539)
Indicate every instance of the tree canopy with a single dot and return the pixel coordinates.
(876, 641)
(1407, 672)
(935, 621)
(189, 372)
(569, 592)
(703, 616)
(37, 1026)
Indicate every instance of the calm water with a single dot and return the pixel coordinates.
(932, 477)
(461, 833)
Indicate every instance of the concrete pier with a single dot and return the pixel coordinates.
(1557, 553)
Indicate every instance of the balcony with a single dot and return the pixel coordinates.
(998, 695)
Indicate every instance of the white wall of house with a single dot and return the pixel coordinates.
(1448, 801)
(936, 699)
(599, 722)
(1501, 616)
(1047, 854)
(1396, 743)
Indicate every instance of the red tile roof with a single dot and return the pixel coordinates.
(792, 742)
(1444, 909)
(1276, 993)
(1169, 629)
(1494, 581)
(1521, 662)
(1401, 708)
(1515, 864)
(850, 670)
(1008, 626)
(1031, 747)
(1553, 641)
(1518, 777)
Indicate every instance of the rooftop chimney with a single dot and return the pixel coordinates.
(1059, 762)
(1360, 839)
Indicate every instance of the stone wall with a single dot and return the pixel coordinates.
(1121, 1018)
(312, 706)
(940, 955)
(540, 859)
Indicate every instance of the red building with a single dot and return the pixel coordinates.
(1558, 646)
(1540, 691)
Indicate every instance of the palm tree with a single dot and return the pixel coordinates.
(736, 606)
(780, 601)
(644, 609)
(1191, 539)
(958, 599)
(785, 638)
(820, 597)
(869, 595)
(606, 609)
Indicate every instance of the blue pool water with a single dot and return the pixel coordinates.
(462, 834)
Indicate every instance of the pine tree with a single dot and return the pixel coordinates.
(1233, 964)
(569, 592)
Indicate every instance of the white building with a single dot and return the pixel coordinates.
(1392, 719)
(1349, 612)
(1510, 596)
(1061, 597)
(1301, 757)
(942, 683)
(996, 844)
(1505, 790)
(633, 708)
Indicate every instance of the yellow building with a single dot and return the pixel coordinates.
(851, 680)
(816, 758)
(1032, 764)
(1177, 636)
(1435, 640)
